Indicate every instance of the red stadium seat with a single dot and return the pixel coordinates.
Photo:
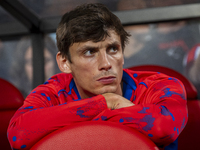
(189, 138)
(11, 99)
(93, 135)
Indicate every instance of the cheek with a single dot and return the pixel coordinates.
(121, 62)
(85, 66)
(84, 73)
(118, 60)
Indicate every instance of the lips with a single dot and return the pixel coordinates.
(107, 80)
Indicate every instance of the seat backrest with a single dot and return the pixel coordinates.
(95, 135)
(189, 138)
(11, 99)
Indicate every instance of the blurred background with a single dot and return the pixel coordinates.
(165, 33)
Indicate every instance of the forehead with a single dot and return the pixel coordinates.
(112, 38)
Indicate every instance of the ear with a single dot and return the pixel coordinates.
(63, 63)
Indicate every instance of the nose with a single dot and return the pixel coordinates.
(104, 62)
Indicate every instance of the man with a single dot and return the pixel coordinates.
(94, 86)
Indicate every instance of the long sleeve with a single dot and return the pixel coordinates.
(160, 110)
(45, 110)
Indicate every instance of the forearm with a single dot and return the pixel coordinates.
(30, 125)
(161, 123)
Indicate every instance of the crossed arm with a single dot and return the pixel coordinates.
(161, 120)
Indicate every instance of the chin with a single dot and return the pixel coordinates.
(108, 90)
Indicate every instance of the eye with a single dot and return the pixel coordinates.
(89, 52)
(113, 49)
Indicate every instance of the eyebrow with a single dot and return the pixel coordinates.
(86, 47)
(115, 43)
(89, 47)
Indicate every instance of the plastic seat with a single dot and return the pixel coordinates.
(94, 135)
(11, 99)
(189, 138)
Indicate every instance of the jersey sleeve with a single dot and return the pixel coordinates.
(40, 115)
(160, 111)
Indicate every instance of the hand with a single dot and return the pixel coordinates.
(115, 101)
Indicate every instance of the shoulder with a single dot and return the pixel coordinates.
(150, 78)
(55, 83)
(47, 94)
(60, 78)
(150, 85)
(143, 75)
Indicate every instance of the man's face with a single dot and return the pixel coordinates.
(97, 67)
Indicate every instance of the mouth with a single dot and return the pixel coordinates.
(107, 80)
